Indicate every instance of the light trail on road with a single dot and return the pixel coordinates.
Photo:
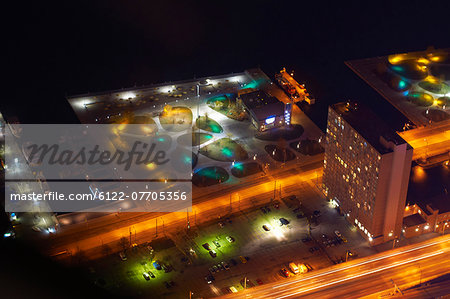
(364, 276)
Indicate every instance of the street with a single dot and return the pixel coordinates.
(365, 276)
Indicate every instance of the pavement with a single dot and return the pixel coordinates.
(383, 273)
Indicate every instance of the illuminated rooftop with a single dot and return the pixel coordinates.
(102, 107)
(416, 83)
(262, 105)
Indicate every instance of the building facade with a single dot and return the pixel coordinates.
(265, 111)
(366, 171)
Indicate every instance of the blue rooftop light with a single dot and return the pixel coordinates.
(270, 119)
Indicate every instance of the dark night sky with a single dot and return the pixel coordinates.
(74, 47)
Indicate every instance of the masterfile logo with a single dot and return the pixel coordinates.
(99, 167)
(140, 153)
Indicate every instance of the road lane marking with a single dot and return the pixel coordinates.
(413, 259)
(361, 263)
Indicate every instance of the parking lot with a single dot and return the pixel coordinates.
(259, 248)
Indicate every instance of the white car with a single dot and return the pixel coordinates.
(230, 239)
(36, 228)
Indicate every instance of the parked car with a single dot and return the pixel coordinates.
(337, 233)
(122, 255)
(284, 221)
(206, 246)
(209, 278)
(212, 253)
(266, 227)
(259, 281)
(216, 243)
(263, 209)
(166, 268)
(284, 272)
(146, 276)
(156, 265)
(230, 239)
(221, 224)
(151, 274)
(169, 284)
(267, 209)
(243, 259)
(225, 265)
(36, 228)
(220, 267)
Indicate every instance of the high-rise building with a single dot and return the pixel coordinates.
(366, 171)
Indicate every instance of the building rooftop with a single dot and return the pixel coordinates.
(262, 105)
(416, 83)
(430, 186)
(413, 220)
(99, 107)
(368, 125)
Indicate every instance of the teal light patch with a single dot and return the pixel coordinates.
(255, 84)
(402, 84)
(215, 128)
(227, 152)
(187, 159)
(239, 166)
(397, 68)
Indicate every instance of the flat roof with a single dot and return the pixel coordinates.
(412, 82)
(413, 220)
(430, 186)
(101, 106)
(368, 125)
(262, 105)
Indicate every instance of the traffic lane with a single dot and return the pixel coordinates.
(404, 276)
(359, 282)
(120, 220)
(83, 242)
(440, 243)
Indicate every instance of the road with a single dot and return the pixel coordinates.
(142, 226)
(371, 276)
(429, 141)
